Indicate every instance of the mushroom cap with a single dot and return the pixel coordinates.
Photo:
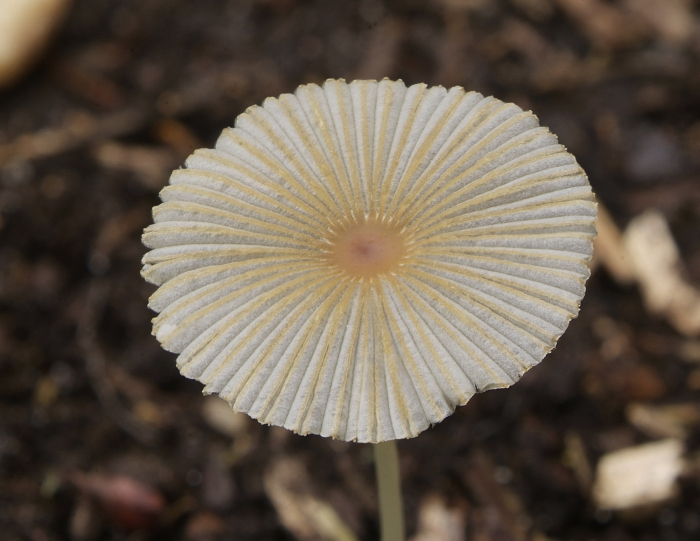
(357, 260)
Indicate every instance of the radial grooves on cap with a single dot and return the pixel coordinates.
(497, 218)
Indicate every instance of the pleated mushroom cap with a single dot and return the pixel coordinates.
(357, 260)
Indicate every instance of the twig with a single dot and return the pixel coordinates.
(96, 366)
(79, 128)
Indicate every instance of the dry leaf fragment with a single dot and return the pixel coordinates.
(25, 28)
(204, 526)
(85, 520)
(576, 458)
(671, 421)
(603, 23)
(129, 504)
(637, 476)
(288, 486)
(609, 250)
(92, 87)
(672, 20)
(78, 128)
(177, 135)
(151, 165)
(689, 351)
(438, 521)
(217, 413)
(657, 263)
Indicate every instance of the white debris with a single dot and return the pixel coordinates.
(609, 250)
(306, 516)
(659, 269)
(437, 521)
(669, 421)
(218, 414)
(637, 476)
(25, 27)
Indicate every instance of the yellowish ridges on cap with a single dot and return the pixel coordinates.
(495, 222)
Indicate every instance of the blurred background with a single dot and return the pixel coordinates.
(101, 439)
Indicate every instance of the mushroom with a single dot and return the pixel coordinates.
(356, 260)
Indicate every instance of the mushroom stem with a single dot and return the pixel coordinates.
(386, 460)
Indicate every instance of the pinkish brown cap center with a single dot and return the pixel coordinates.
(368, 249)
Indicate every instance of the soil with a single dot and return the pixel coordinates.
(129, 88)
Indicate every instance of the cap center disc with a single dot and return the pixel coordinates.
(368, 249)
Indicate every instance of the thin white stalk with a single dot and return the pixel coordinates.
(386, 459)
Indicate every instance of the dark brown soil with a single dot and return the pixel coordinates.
(130, 87)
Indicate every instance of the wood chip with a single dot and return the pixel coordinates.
(656, 260)
(689, 351)
(217, 413)
(671, 421)
(85, 522)
(605, 25)
(204, 526)
(671, 20)
(638, 476)
(178, 136)
(306, 516)
(87, 85)
(438, 521)
(576, 458)
(77, 129)
(128, 503)
(609, 250)
(152, 166)
(25, 29)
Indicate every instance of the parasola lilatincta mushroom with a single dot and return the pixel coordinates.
(356, 260)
